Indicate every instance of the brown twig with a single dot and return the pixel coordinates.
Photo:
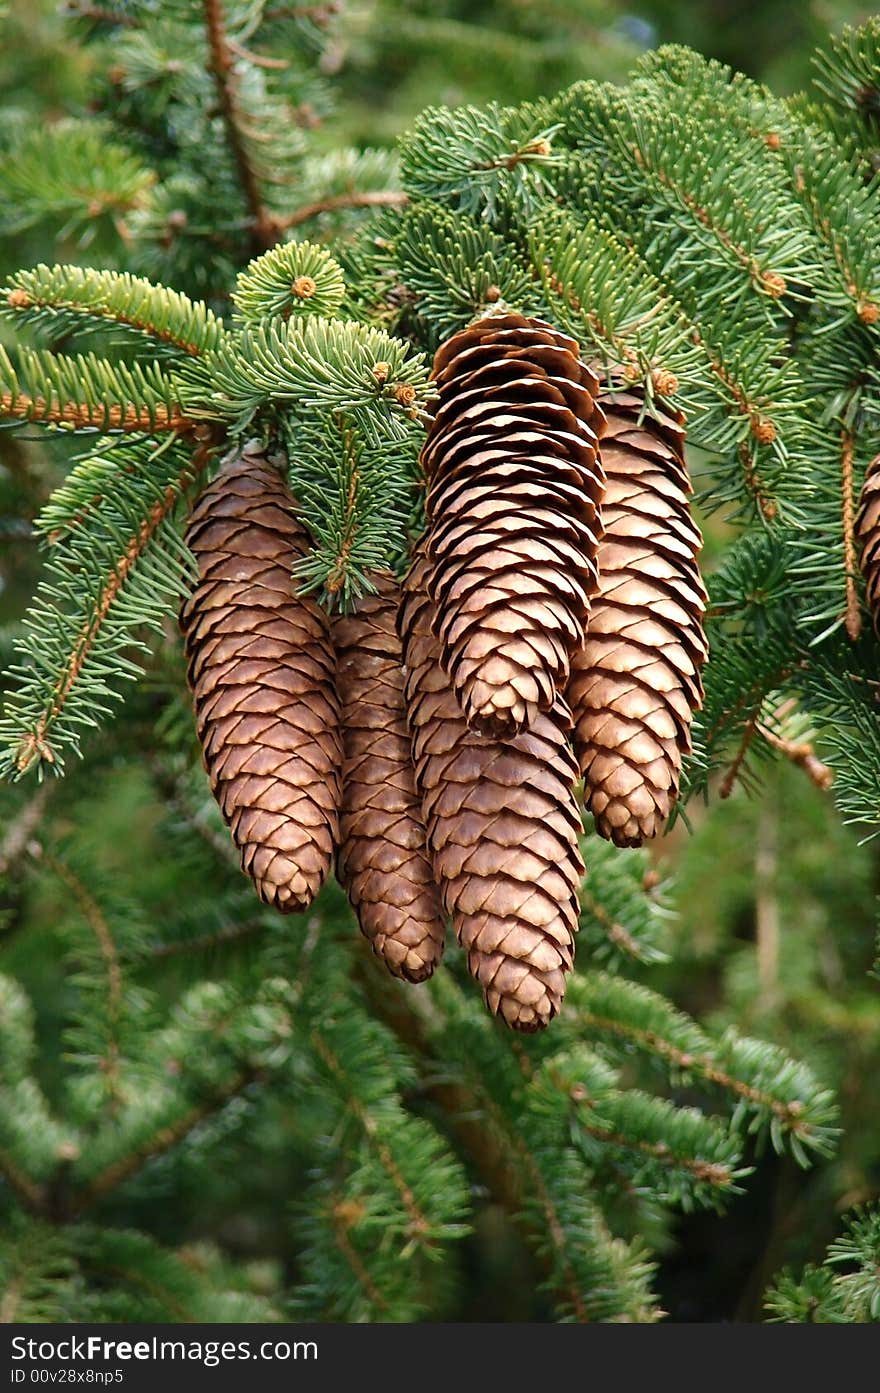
(101, 15)
(615, 933)
(767, 926)
(21, 828)
(853, 613)
(366, 198)
(803, 755)
(342, 1220)
(729, 781)
(264, 229)
(113, 417)
(162, 1141)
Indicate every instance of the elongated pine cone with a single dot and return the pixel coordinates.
(502, 824)
(514, 483)
(383, 861)
(868, 534)
(262, 674)
(636, 681)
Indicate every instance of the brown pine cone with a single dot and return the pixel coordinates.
(868, 535)
(503, 827)
(383, 862)
(636, 682)
(514, 482)
(262, 673)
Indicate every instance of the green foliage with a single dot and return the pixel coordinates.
(167, 1046)
(268, 289)
(480, 161)
(116, 566)
(828, 1294)
(61, 301)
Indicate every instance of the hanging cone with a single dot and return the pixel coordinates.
(636, 682)
(868, 535)
(502, 825)
(262, 673)
(383, 862)
(513, 487)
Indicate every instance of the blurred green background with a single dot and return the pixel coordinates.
(776, 900)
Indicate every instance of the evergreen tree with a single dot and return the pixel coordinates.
(713, 250)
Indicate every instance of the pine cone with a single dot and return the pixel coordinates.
(262, 673)
(503, 827)
(636, 682)
(383, 862)
(514, 483)
(868, 534)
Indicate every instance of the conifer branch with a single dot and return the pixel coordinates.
(713, 1173)
(99, 14)
(319, 14)
(728, 783)
(803, 756)
(31, 1195)
(357, 198)
(97, 922)
(768, 282)
(419, 1225)
(70, 298)
(853, 611)
(236, 933)
(21, 828)
(791, 1116)
(222, 69)
(36, 743)
(342, 1221)
(113, 1175)
(18, 406)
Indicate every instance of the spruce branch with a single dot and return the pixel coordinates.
(293, 279)
(126, 1166)
(93, 915)
(100, 14)
(419, 1226)
(103, 584)
(73, 176)
(803, 756)
(853, 620)
(321, 364)
(70, 299)
(770, 1090)
(21, 828)
(88, 393)
(333, 203)
(222, 67)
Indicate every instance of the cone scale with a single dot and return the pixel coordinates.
(502, 825)
(511, 464)
(383, 863)
(262, 673)
(635, 683)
